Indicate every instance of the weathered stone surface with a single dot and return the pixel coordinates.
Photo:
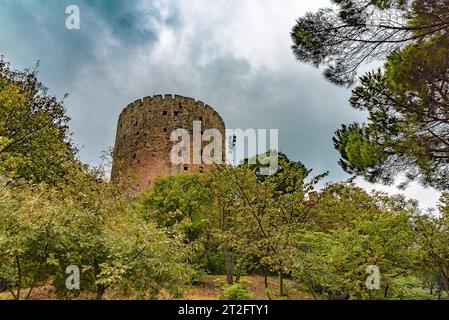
(142, 146)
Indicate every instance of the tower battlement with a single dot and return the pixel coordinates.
(143, 146)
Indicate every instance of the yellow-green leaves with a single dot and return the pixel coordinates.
(34, 140)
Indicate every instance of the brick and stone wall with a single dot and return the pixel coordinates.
(142, 146)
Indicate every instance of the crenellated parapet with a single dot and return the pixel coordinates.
(143, 143)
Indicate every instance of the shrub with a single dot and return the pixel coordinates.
(236, 291)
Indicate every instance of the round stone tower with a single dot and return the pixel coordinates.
(143, 146)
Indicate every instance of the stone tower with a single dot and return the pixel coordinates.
(143, 146)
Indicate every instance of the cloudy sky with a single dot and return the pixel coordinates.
(233, 54)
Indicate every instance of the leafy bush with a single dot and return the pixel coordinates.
(236, 291)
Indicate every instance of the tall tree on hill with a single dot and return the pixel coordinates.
(407, 102)
(34, 136)
(359, 31)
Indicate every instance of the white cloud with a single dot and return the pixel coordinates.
(427, 197)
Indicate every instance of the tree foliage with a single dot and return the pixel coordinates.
(354, 32)
(407, 101)
(88, 224)
(433, 234)
(34, 137)
(408, 124)
(260, 215)
(351, 231)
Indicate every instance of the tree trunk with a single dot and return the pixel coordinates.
(446, 284)
(101, 290)
(387, 287)
(229, 265)
(19, 281)
(281, 285)
(267, 289)
(239, 274)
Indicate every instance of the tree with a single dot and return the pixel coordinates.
(351, 231)
(263, 214)
(358, 31)
(225, 219)
(182, 205)
(87, 223)
(180, 202)
(27, 232)
(433, 235)
(407, 129)
(408, 126)
(34, 140)
(115, 247)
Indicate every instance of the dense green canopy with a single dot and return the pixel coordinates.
(407, 130)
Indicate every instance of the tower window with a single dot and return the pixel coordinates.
(164, 113)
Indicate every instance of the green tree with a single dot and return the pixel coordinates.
(87, 223)
(263, 214)
(56, 212)
(34, 140)
(28, 231)
(351, 231)
(408, 124)
(115, 247)
(432, 233)
(179, 201)
(182, 205)
(354, 32)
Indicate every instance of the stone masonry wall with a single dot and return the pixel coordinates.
(142, 146)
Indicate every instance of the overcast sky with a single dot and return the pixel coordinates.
(233, 54)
